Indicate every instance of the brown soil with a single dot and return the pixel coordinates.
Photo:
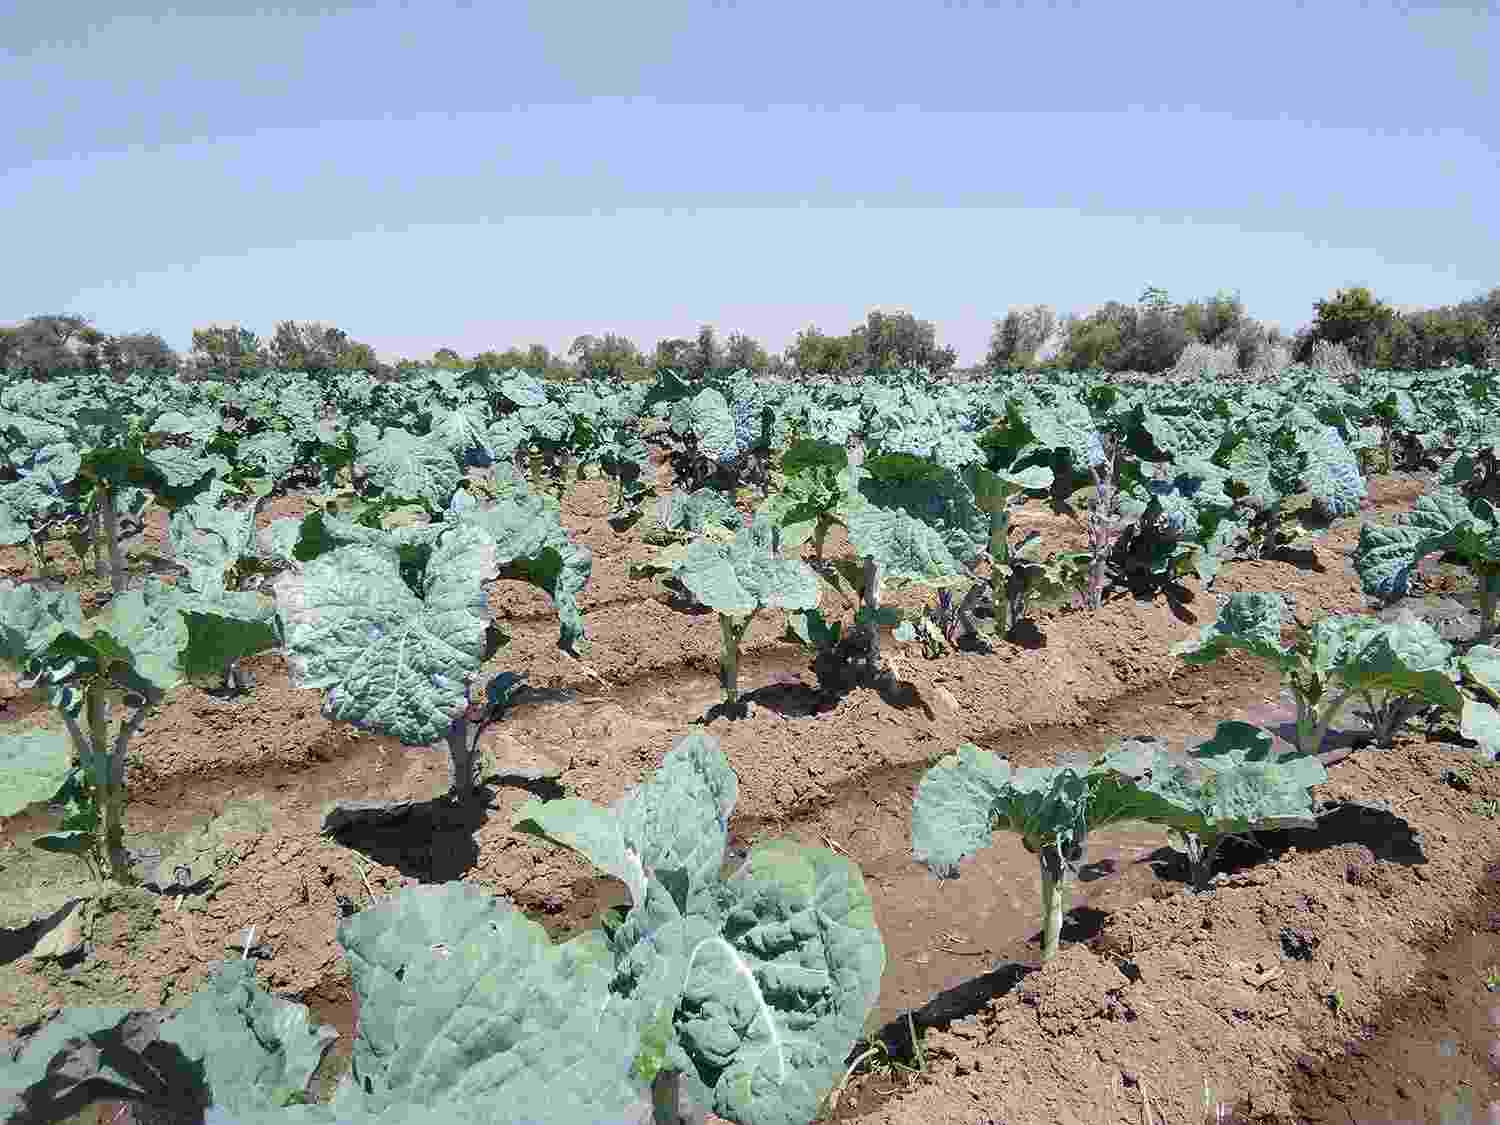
(1157, 996)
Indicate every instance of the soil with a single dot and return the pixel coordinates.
(1336, 975)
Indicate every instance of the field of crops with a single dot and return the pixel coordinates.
(477, 749)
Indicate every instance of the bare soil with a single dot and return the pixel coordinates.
(1329, 976)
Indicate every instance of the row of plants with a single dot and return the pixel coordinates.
(67, 444)
(742, 991)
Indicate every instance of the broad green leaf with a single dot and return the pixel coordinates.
(254, 1049)
(34, 764)
(676, 820)
(1482, 663)
(1249, 621)
(31, 617)
(392, 661)
(745, 575)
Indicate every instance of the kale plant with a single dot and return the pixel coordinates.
(740, 992)
(968, 796)
(145, 643)
(738, 579)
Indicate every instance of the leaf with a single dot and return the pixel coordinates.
(149, 629)
(31, 618)
(1233, 782)
(1385, 557)
(254, 1049)
(1481, 722)
(707, 417)
(960, 803)
(1482, 664)
(394, 662)
(775, 1000)
(677, 820)
(530, 544)
(745, 575)
(1248, 621)
(464, 1000)
(1402, 657)
(34, 764)
(403, 464)
(225, 626)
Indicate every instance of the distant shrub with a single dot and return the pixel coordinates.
(1333, 359)
(1199, 361)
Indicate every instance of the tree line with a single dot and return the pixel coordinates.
(1152, 335)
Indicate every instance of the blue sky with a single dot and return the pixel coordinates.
(487, 175)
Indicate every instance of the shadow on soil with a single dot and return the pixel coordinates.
(433, 841)
(1388, 836)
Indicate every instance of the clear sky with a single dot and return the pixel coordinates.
(495, 174)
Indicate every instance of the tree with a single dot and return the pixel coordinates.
(1020, 336)
(448, 360)
(891, 341)
(317, 348)
(743, 353)
(1352, 317)
(54, 344)
(536, 360)
(1216, 321)
(707, 355)
(227, 351)
(139, 351)
(613, 358)
(816, 354)
(674, 354)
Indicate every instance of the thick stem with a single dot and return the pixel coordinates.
(1101, 515)
(111, 522)
(96, 539)
(1000, 570)
(869, 598)
(1054, 897)
(463, 762)
(666, 1098)
(1202, 851)
(819, 535)
(966, 623)
(1489, 597)
(1313, 743)
(731, 632)
(106, 766)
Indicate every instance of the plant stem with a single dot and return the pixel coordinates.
(1312, 727)
(463, 761)
(1000, 570)
(731, 630)
(1054, 896)
(665, 1098)
(1489, 597)
(111, 522)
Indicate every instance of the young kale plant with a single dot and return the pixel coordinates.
(1235, 783)
(1397, 667)
(968, 796)
(1021, 576)
(394, 623)
(1459, 518)
(738, 579)
(742, 993)
(910, 521)
(1105, 522)
(146, 642)
(216, 543)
